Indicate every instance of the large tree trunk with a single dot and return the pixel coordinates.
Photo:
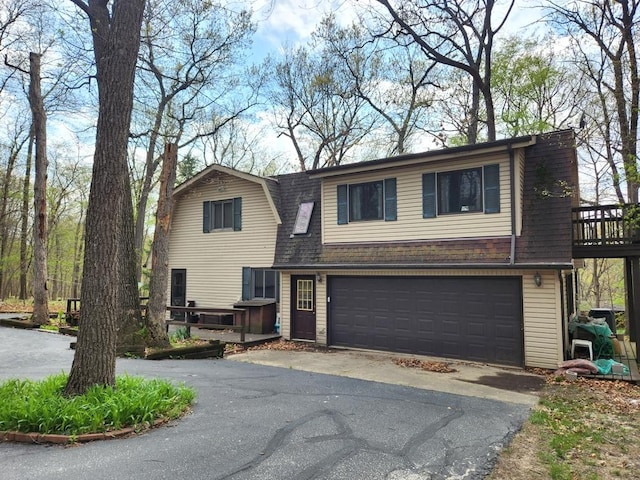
(24, 221)
(109, 298)
(40, 302)
(157, 310)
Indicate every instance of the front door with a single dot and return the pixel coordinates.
(178, 291)
(303, 307)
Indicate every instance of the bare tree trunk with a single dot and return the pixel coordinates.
(109, 298)
(597, 291)
(24, 230)
(15, 149)
(77, 255)
(40, 301)
(157, 310)
(151, 164)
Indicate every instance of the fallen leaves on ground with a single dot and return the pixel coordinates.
(284, 345)
(587, 428)
(440, 367)
(13, 305)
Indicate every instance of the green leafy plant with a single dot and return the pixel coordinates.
(179, 335)
(40, 406)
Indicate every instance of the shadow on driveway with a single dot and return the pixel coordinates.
(260, 422)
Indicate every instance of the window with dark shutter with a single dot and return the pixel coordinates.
(343, 205)
(492, 189)
(206, 217)
(429, 195)
(222, 215)
(260, 283)
(237, 213)
(246, 283)
(390, 200)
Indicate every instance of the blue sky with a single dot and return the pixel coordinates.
(292, 21)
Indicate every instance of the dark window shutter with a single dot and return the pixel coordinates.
(343, 205)
(428, 195)
(246, 283)
(237, 213)
(206, 217)
(492, 189)
(390, 200)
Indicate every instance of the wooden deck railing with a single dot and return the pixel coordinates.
(606, 225)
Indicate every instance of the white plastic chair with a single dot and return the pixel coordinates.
(577, 342)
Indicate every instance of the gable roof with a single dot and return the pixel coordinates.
(546, 232)
(269, 185)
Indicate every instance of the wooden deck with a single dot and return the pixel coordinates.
(627, 356)
(230, 336)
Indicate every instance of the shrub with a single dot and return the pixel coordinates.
(40, 406)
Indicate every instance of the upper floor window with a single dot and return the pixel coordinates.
(222, 215)
(461, 191)
(367, 201)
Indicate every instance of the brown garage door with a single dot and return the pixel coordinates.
(471, 318)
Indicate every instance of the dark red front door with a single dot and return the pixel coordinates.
(303, 307)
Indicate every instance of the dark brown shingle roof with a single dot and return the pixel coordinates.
(301, 249)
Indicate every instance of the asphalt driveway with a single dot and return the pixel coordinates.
(260, 422)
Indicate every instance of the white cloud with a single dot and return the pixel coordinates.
(292, 21)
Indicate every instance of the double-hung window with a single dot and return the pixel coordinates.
(461, 191)
(367, 201)
(260, 283)
(222, 215)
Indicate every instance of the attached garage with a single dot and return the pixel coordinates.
(469, 318)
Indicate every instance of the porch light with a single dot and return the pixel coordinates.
(537, 279)
(318, 277)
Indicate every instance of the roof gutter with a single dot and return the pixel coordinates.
(424, 266)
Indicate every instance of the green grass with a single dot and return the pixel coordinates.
(40, 406)
(51, 328)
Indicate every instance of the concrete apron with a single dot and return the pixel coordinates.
(471, 379)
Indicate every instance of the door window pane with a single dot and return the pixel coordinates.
(305, 295)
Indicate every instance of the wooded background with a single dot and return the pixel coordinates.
(401, 77)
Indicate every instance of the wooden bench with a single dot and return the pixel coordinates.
(238, 319)
(72, 314)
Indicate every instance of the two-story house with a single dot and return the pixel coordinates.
(462, 253)
(223, 237)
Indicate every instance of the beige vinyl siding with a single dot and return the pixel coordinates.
(285, 305)
(543, 346)
(214, 260)
(542, 311)
(409, 224)
(321, 310)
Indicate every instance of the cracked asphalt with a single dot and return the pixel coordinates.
(260, 422)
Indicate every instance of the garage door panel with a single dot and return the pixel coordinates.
(474, 318)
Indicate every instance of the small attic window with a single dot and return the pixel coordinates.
(303, 218)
